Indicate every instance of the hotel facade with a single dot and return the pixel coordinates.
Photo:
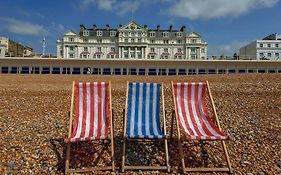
(268, 48)
(132, 41)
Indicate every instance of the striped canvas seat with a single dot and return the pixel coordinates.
(193, 114)
(92, 111)
(144, 111)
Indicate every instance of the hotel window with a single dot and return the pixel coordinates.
(86, 49)
(126, 40)
(180, 42)
(71, 48)
(193, 49)
(277, 55)
(139, 48)
(166, 50)
(202, 50)
(261, 55)
(276, 45)
(99, 40)
(179, 34)
(139, 40)
(152, 34)
(99, 49)
(193, 41)
(126, 55)
(152, 50)
(85, 40)
(132, 40)
(71, 55)
(261, 45)
(112, 49)
(179, 49)
(166, 41)
(99, 33)
(268, 45)
(70, 39)
(165, 34)
(85, 33)
(112, 33)
(268, 54)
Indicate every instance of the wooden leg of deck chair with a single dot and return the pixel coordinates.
(112, 146)
(67, 158)
(167, 155)
(226, 156)
(124, 155)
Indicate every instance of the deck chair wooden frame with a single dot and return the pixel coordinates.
(97, 168)
(125, 138)
(180, 140)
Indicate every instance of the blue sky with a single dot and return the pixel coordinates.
(225, 24)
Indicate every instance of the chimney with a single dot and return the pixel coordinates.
(107, 27)
(145, 26)
(182, 28)
(82, 27)
(170, 28)
(94, 26)
(158, 27)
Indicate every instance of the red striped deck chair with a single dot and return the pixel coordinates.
(93, 118)
(142, 119)
(193, 120)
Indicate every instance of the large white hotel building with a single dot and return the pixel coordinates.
(132, 41)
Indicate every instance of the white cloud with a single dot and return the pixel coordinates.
(23, 27)
(127, 7)
(208, 9)
(84, 4)
(227, 49)
(119, 7)
(106, 4)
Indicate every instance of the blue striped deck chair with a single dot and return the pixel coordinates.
(142, 119)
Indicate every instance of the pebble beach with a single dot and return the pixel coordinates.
(34, 124)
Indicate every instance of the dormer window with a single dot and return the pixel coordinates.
(179, 34)
(152, 34)
(99, 33)
(85, 33)
(165, 34)
(112, 33)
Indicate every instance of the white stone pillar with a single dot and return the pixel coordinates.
(136, 52)
(145, 52)
(129, 52)
(119, 51)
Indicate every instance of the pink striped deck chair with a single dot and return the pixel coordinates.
(93, 118)
(193, 119)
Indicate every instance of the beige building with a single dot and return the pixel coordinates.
(132, 41)
(10, 48)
